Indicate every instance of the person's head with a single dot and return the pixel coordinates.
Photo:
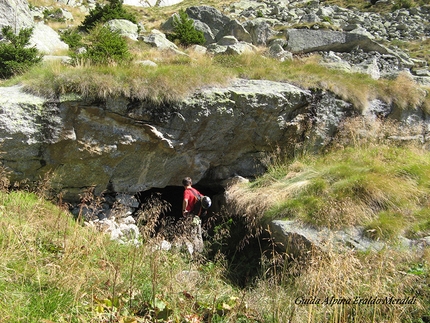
(187, 181)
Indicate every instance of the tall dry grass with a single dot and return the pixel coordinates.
(170, 82)
(404, 93)
(177, 76)
(349, 287)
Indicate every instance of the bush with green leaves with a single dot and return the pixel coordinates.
(105, 47)
(15, 55)
(185, 32)
(102, 14)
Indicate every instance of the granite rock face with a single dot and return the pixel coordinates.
(133, 146)
(15, 13)
(129, 146)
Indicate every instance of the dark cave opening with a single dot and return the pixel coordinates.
(244, 262)
(173, 195)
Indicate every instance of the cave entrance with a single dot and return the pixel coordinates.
(245, 262)
(173, 195)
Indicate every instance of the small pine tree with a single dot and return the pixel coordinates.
(185, 32)
(72, 38)
(15, 57)
(102, 14)
(105, 47)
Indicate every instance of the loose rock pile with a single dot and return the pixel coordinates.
(285, 27)
(403, 24)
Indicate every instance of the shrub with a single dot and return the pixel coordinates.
(101, 14)
(15, 57)
(53, 15)
(403, 4)
(185, 32)
(105, 47)
(72, 38)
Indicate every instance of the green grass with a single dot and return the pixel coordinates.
(55, 270)
(416, 49)
(384, 188)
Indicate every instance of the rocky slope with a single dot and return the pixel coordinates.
(242, 25)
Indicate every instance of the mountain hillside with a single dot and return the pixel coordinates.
(306, 122)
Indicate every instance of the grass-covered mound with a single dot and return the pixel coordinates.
(383, 187)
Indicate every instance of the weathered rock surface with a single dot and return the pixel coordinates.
(47, 40)
(297, 237)
(124, 27)
(354, 33)
(15, 13)
(133, 146)
(305, 41)
(129, 146)
(159, 40)
(256, 23)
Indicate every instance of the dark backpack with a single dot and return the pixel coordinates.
(198, 206)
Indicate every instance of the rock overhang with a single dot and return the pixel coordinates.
(135, 146)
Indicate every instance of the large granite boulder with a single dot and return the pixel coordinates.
(133, 146)
(47, 40)
(159, 40)
(18, 15)
(129, 146)
(297, 237)
(15, 13)
(307, 40)
(210, 16)
(124, 27)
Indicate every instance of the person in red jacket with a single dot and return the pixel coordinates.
(190, 198)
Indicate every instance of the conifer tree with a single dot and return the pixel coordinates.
(15, 55)
(185, 32)
(101, 14)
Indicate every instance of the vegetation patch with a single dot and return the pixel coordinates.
(15, 57)
(383, 187)
(114, 9)
(180, 75)
(170, 82)
(56, 270)
(105, 47)
(184, 32)
(362, 186)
